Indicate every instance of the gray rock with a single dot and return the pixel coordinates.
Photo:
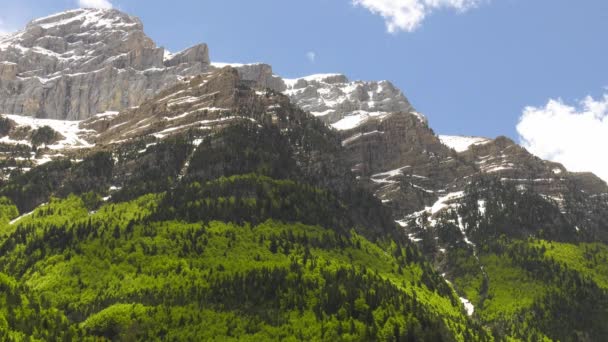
(76, 64)
(259, 75)
(395, 153)
(332, 97)
(8, 71)
(197, 53)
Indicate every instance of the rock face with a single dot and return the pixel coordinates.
(8, 71)
(345, 104)
(414, 174)
(258, 75)
(76, 64)
(395, 153)
(79, 63)
(202, 102)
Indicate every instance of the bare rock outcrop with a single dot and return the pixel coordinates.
(258, 75)
(344, 103)
(76, 64)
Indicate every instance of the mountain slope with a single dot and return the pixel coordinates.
(170, 279)
(252, 228)
(76, 64)
(226, 202)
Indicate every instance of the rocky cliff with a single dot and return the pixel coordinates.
(75, 64)
(78, 64)
(210, 143)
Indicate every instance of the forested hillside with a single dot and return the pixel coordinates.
(528, 274)
(207, 202)
(74, 271)
(255, 230)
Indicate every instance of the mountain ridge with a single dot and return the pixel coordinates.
(373, 118)
(238, 148)
(57, 59)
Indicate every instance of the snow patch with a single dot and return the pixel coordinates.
(359, 135)
(43, 160)
(220, 65)
(384, 176)
(291, 82)
(167, 55)
(356, 119)
(350, 122)
(107, 114)
(323, 113)
(70, 130)
(481, 204)
(468, 306)
(413, 238)
(498, 168)
(462, 143)
(443, 202)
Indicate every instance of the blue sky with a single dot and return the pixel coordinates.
(471, 70)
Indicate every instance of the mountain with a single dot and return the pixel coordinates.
(184, 199)
(79, 63)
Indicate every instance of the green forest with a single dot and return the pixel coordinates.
(262, 233)
(71, 272)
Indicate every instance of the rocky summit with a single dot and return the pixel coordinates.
(76, 64)
(148, 194)
(89, 65)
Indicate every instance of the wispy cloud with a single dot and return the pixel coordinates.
(312, 56)
(95, 4)
(575, 136)
(407, 15)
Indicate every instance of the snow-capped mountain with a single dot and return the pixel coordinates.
(460, 143)
(345, 104)
(98, 66)
(79, 63)
(116, 152)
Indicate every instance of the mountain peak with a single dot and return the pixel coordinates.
(69, 65)
(318, 78)
(346, 104)
(462, 143)
(76, 37)
(88, 17)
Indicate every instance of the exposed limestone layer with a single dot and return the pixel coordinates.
(79, 63)
(343, 103)
(76, 64)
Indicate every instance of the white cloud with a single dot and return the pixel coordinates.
(95, 4)
(576, 136)
(312, 56)
(407, 15)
